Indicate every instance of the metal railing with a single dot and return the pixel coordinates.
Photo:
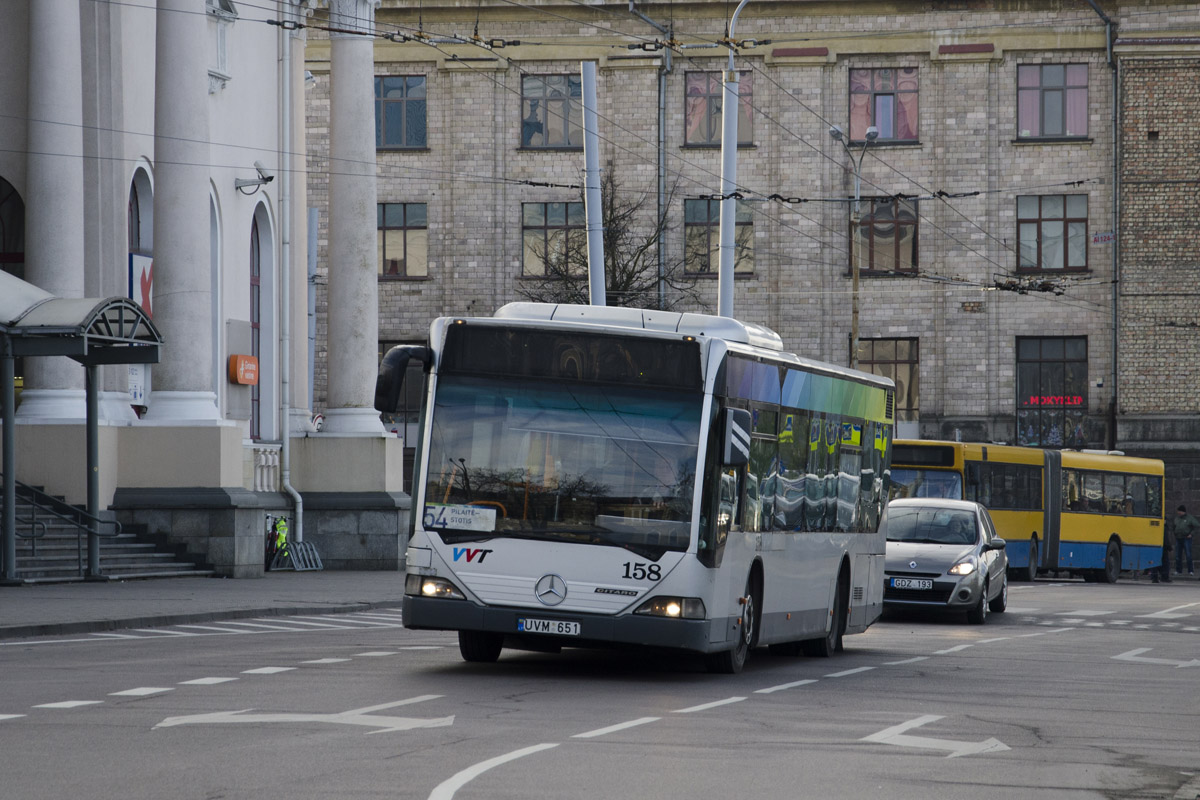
(85, 524)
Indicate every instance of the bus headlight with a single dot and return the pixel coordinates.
(674, 607)
(965, 567)
(426, 586)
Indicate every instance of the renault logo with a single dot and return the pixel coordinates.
(550, 590)
(912, 565)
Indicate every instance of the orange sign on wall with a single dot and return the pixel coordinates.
(243, 370)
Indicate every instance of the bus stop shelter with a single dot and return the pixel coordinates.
(91, 331)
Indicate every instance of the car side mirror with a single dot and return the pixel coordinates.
(997, 544)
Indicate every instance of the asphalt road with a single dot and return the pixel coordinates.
(1078, 691)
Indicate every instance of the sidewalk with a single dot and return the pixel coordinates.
(71, 608)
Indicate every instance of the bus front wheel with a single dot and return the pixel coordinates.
(730, 662)
(1112, 563)
(480, 646)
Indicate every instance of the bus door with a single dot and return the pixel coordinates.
(1052, 510)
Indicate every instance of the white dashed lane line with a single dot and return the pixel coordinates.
(782, 686)
(70, 704)
(206, 681)
(844, 673)
(707, 706)
(326, 661)
(267, 670)
(955, 649)
(10, 716)
(142, 691)
(620, 726)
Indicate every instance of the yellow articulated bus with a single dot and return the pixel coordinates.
(1091, 514)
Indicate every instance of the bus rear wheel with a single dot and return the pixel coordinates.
(831, 642)
(480, 646)
(1112, 563)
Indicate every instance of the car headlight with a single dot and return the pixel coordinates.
(674, 607)
(426, 586)
(964, 567)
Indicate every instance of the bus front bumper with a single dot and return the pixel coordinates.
(700, 635)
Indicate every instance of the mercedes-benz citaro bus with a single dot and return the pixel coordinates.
(592, 477)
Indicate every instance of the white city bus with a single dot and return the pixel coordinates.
(590, 476)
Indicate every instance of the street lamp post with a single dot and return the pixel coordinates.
(839, 136)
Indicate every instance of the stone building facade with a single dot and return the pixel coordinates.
(998, 314)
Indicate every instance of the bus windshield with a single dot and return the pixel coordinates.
(907, 482)
(548, 459)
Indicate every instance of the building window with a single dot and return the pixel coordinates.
(702, 237)
(1052, 100)
(1052, 232)
(551, 111)
(222, 13)
(898, 359)
(555, 239)
(400, 111)
(887, 99)
(1052, 391)
(705, 92)
(885, 239)
(255, 326)
(403, 240)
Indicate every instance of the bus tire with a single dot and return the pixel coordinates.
(1031, 569)
(977, 614)
(730, 662)
(1112, 562)
(831, 642)
(480, 646)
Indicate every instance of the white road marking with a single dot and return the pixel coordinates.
(70, 704)
(1071, 621)
(846, 672)
(395, 617)
(216, 629)
(375, 654)
(707, 706)
(895, 735)
(363, 623)
(1016, 610)
(912, 660)
(142, 691)
(423, 647)
(989, 641)
(782, 686)
(294, 621)
(1083, 613)
(1169, 613)
(954, 649)
(266, 670)
(114, 636)
(620, 726)
(1041, 633)
(10, 716)
(1118, 622)
(164, 632)
(446, 789)
(1136, 655)
(355, 716)
(206, 681)
(326, 661)
(260, 625)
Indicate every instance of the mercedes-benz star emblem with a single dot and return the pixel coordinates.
(912, 565)
(550, 590)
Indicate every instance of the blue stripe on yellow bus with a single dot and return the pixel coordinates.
(1087, 555)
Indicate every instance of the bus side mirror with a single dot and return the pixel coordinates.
(735, 436)
(391, 374)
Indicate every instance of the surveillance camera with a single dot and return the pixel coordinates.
(263, 172)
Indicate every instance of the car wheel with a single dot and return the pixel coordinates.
(831, 642)
(480, 646)
(730, 662)
(1000, 601)
(1112, 563)
(977, 615)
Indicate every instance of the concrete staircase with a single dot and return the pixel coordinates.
(55, 549)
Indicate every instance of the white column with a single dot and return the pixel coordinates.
(54, 196)
(183, 381)
(353, 284)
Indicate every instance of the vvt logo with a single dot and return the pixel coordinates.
(471, 553)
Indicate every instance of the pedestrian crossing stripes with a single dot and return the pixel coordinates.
(321, 623)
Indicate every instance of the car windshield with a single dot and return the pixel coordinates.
(555, 460)
(908, 482)
(931, 525)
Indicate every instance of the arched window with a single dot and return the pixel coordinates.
(255, 326)
(12, 230)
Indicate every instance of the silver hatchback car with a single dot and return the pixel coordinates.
(944, 554)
